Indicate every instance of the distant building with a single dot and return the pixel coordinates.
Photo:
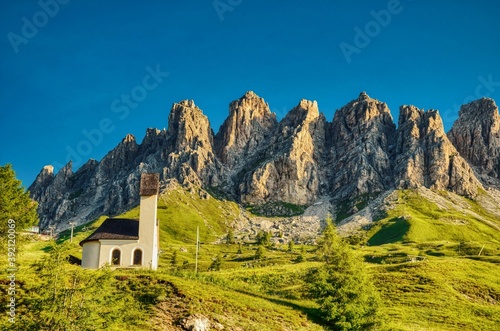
(127, 243)
(32, 230)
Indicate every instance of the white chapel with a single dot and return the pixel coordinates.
(127, 243)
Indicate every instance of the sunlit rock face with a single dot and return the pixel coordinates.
(256, 160)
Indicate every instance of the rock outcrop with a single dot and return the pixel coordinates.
(361, 148)
(190, 157)
(183, 152)
(291, 164)
(476, 135)
(246, 131)
(289, 170)
(426, 157)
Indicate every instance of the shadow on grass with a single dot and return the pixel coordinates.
(313, 314)
(48, 248)
(244, 259)
(391, 232)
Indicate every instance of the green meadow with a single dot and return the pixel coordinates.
(435, 269)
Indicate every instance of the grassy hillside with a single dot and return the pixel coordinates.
(441, 294)
(415, 219)
(450, 288)
(181, 211)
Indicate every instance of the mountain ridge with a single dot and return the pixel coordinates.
(256, 160)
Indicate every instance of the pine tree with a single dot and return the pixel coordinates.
(260, 252)
(216, 264)
(174, 259)
(302, 256)
(15, 204)
(69, 297)
(264, 238)
(230, 237)
(348, 299)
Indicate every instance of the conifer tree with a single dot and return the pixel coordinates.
(230, 237)
(216, 264)
(347, 297)
(260, 252)
(15, 204)
(174, 259)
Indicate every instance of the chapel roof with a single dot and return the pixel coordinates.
(115, 228)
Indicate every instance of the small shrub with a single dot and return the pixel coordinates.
(260, 252)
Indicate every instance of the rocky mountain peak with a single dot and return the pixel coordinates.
(153, 142)
(65, 171)
(289, 170)
(45, 176)
(359, 113)
(476, 135)
(249, 106)
(61, 179)
(188, 127)
(250, 95)
(363, 96)
(48, 169)
(418, 122)
(152, 135)
(433, 121)
(426, 157)
(310, 107)
(305, 112)
(257, 161)
(189, 155)
(409, 113)
(128, 138)
(188, 103)
(361, 139)
(244, 132)
(121, 157)
(482, 109)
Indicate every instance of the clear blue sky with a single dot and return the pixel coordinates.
(70, 73)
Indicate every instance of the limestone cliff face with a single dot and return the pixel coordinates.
(359, 159)
(289, 170)
(48, 190)
(476, 135)
(257, 161)
(425, 156)
(120, 157)
(246, 131)
(110, 187)
(190, 154)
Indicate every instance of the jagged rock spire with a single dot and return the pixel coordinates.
(361, 139)
(425, 156)
(476, 135)
(256, 160)
(246, 129)
(289, 170)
